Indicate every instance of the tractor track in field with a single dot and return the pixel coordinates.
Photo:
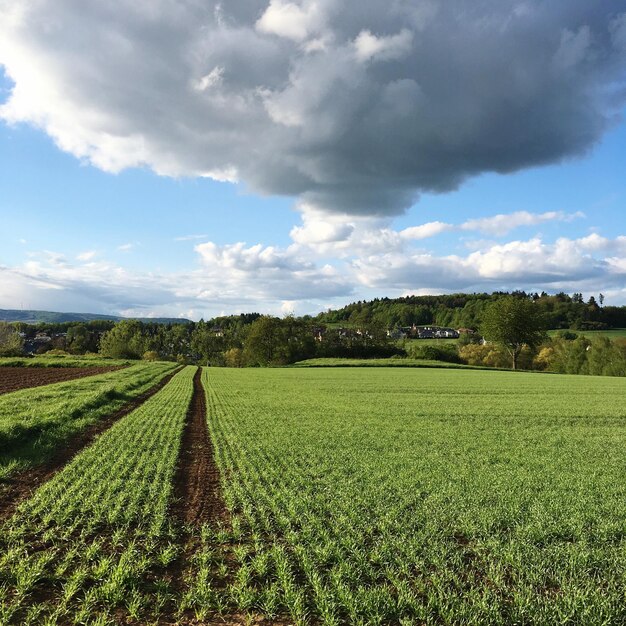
(197, 499)
(21, 485)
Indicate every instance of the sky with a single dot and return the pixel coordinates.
(194, 158)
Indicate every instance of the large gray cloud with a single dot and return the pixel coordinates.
(353, 106)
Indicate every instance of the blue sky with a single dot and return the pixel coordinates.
(106, 207)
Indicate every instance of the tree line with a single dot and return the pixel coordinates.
(513, 325)
(560, 311)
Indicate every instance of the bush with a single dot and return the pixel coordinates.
(233, 357)
(447, 353)
(469, 338)
(489, 355)
(151, 355)
(544, 358)
(57, 352)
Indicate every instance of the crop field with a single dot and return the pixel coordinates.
(34, 422)
(55, 360)
(335, 496)
(98, 533)
(382, 362)
(424, 496)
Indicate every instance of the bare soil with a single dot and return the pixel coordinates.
(21, 485)
(197, 492)
(15, 378)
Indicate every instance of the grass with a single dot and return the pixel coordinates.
(62, 361)
(96, 540)
(374, 496)
(427, 342)
(34, 422)
(385, 362)
(615, 333)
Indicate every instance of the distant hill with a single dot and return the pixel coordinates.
(463, 310)
(52, 317)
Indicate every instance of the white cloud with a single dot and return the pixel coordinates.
(213, 78)
(349, 235)
(290, 20)
(321, 228)
(288, 307)
(238, 277)
(425, 231)
(368, 46)
(502, 224)
(565, 264)
(126, 247)
(88, 255)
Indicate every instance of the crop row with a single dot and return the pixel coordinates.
(35, 422)
(420, 496)
(97, 539)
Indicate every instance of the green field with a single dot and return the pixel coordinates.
(35, 422)
(614, 333)
(354, 496)
(61, 361)
(384, 362)
(103, 523)
(425, 496)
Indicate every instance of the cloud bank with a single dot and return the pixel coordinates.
(352, 107)
(325, 266)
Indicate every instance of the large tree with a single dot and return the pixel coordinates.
(124, 341)
(514, 322)
(11, 343)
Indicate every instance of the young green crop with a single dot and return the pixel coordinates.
(378, 496)
(62, 361)
(34, 422)
(96, 539)
(361, 496)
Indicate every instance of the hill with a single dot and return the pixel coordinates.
(53, 317)
(462, 310)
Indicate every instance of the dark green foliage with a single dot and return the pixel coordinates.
(597, 357)
(446, 353)
(124, 341)
(466, 311)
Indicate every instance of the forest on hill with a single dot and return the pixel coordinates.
(461, 310)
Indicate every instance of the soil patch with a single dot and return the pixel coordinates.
(20, 486)
(15, 378)
(198, 498)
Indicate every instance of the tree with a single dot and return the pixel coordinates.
(514, 322)
(79, 340)
(124, 341)
(11, 343)
(265, 343)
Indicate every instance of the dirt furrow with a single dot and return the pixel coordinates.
(20, 486)
(198, 498)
